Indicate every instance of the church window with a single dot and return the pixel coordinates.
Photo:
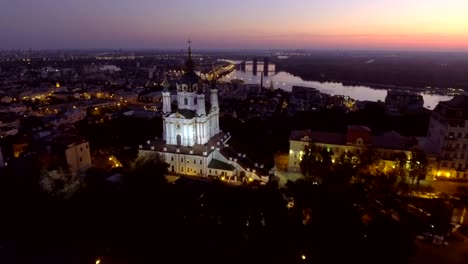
(194, 161)
(188, 160)
(200, 162)
(210, 171)
(181, 168)
(185, 101)
(182, 159)
(172, 158)
(195, 101)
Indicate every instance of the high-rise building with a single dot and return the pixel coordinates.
(447, 138)
(266, 65)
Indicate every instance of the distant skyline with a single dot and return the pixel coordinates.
(439, 25)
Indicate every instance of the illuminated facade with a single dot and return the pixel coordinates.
(447, 138)
(356, 140)
(191, 123)
(193, 144)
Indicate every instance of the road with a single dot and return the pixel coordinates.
(455, 253)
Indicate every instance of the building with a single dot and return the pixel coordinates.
(70, 152)
(402, 102)
(192, 123)
(447, 138)
(356, 140)
(305, 99)
(2, 162)
(192, 142)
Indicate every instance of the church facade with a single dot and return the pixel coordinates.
(192, 142)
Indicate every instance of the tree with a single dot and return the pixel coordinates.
(60, 183)
(146, 173)
(316, 162)
(418, 166)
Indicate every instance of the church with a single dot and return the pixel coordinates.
(192, 123)
(192, 143)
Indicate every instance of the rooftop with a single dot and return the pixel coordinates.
(459, 102)
(387, 140)
(219, 165)
(197, 150)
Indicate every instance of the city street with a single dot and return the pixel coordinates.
(455, 253)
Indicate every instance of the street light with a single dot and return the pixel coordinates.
(98, 261)
(303, 257)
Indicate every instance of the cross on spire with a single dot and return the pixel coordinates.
(189, 64)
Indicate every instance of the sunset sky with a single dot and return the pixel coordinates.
(331, 24)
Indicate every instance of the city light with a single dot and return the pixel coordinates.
(303, 257)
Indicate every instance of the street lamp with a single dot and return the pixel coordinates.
(303, 257)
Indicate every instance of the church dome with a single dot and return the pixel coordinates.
(190, 78)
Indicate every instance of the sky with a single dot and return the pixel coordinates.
(241, 24)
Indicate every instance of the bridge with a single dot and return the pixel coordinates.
(220, 71)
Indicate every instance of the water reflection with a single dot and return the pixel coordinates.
(285, 81)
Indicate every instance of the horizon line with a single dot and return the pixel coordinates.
(429, 50)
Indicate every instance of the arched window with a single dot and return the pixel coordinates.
(195, 101)
(185, 101)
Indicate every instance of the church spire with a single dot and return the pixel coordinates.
(165, 83)
(190, 65)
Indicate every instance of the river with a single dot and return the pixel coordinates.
(285, 81)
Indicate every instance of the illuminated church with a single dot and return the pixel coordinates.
(192, 123)
(192, 143)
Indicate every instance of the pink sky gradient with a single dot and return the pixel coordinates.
(335, 24)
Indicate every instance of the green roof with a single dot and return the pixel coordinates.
(219, 165)
(186, 113)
